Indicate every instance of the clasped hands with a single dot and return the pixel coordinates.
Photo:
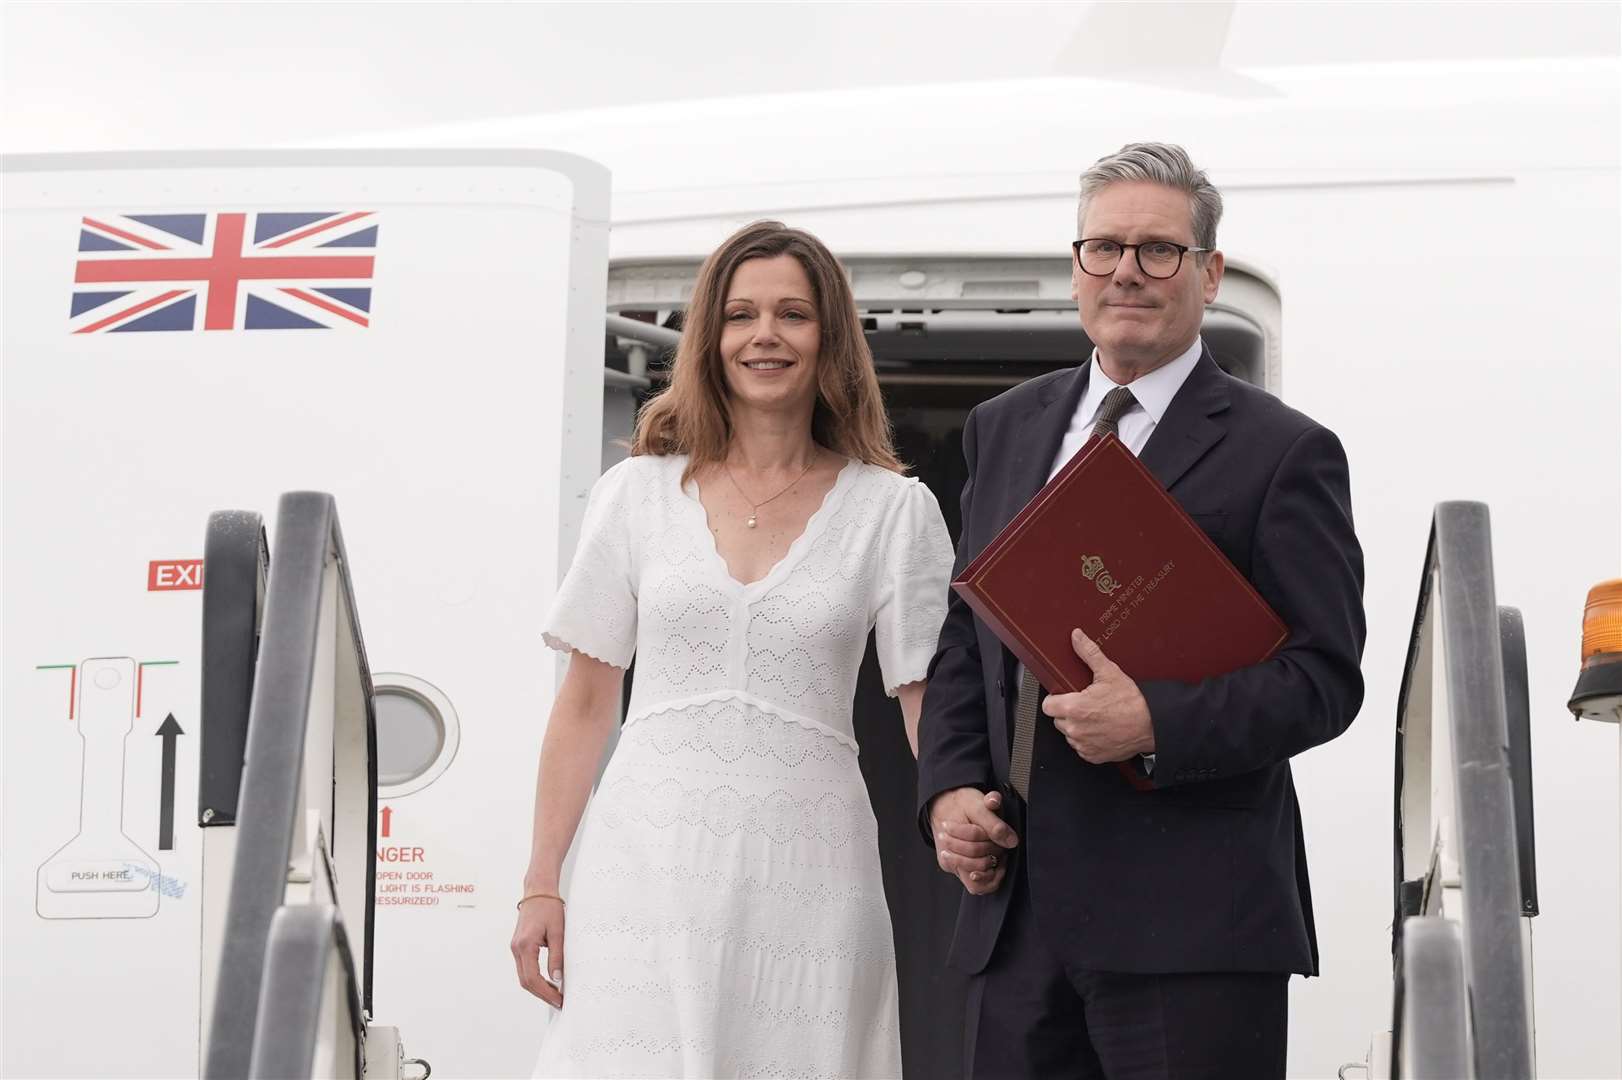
(1108, 721)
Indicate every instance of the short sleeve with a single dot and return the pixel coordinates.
(594, 610)
(915, 577)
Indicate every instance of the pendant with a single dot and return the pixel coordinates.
(751, 522)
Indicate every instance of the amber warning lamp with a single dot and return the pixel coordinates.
(1599, 684)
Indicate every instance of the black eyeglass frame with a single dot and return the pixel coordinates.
(1137, 254)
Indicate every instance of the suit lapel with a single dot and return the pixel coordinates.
(1042, 430)
(1190, 426)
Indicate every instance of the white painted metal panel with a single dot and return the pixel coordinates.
(459, 432)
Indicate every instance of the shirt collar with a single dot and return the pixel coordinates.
(1153, 391)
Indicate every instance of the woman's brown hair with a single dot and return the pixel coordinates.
(691, 416)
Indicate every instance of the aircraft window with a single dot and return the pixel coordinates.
(417, 733)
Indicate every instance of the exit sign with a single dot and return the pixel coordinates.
(172, 574)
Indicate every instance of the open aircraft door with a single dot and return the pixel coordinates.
(418, 333)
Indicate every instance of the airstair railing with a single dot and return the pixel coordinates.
(236, 561)
(1432, 1014)
(1463, 824)
(1518, 721)
(306, 817)
(300, 1033)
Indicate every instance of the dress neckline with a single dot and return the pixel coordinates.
(796, 550)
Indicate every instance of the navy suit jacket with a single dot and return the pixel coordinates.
(1208, 871)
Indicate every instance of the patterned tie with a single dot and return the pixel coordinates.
(1116, 403)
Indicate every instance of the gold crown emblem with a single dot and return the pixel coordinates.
(1092, 568)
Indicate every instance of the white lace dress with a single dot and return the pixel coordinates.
(726, 915)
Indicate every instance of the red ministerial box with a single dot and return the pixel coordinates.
(1103, 547)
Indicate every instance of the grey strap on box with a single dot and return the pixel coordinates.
(1116, 403)
(1019, 760)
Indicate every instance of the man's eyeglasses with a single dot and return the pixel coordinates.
(1156, 258)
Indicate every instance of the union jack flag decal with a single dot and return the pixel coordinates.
(224, 271)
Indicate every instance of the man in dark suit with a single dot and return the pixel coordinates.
(1111, 932)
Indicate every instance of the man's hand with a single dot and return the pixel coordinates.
(971, 841)
(1108, 721)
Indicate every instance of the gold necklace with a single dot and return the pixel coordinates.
(754, 507)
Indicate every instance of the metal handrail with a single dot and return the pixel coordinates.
(305, 828)
(236, 561)
(306, 958)
(1518, 720)
(1431, 1000)
(636, 330)
(1453, 749)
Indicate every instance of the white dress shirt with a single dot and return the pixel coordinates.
(1153, 392)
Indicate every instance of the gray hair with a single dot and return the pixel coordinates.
(1157, 163)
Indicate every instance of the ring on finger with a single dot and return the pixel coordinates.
(993, 862)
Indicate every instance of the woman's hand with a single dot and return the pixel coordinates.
(540, 926)
(971, 841)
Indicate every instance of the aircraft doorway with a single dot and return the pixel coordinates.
(945, 335)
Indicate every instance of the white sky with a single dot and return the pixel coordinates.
(130, 75)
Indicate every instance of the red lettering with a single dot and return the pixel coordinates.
(170, 575)
(400, 854)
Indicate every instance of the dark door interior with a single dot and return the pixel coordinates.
(928, 423)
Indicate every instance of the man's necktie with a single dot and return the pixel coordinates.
(1116, 403)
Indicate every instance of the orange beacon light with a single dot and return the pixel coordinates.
(1598, 695)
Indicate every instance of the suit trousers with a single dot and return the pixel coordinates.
(1033, 1018)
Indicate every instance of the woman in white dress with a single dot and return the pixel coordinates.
(726, 915)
